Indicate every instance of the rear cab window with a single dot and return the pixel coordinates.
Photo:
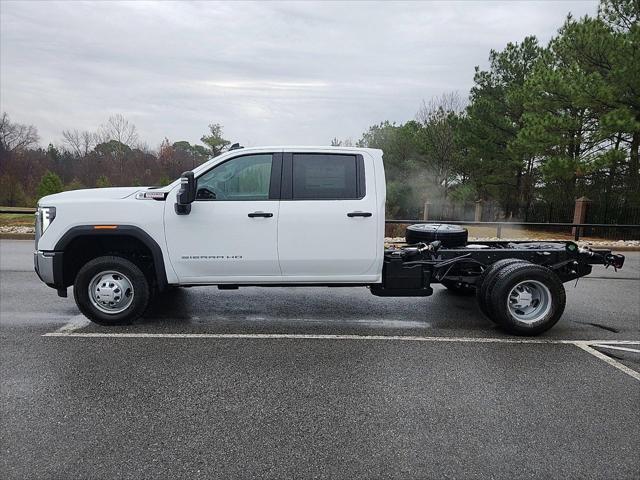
(316, 176)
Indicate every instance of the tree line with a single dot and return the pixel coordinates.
(543, 124)
(111, 156)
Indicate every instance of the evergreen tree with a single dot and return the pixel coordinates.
(214, 140)
(50, 183)
(493, 122)
(103, 182)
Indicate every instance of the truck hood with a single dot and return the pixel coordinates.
(90, 194)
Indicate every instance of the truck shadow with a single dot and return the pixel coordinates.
(310, 310)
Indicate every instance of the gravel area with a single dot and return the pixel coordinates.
(17, 229)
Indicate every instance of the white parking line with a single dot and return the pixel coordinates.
(611, 347)
(582, 344)
(614, 363)
(304, 336)
(76, 323)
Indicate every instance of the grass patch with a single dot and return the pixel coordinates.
(519, 233)
(16, 220)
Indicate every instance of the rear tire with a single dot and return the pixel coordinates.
(527, 299)
(111, 290)
(485, 282)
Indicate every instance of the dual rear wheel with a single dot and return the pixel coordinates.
(521, 297)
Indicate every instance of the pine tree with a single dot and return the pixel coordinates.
(50, 183)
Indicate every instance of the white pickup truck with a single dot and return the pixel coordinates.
(285, 216)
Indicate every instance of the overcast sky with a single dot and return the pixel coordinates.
(270, 73)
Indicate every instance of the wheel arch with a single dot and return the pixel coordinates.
(134, 237)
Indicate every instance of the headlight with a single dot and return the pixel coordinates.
(46, 215)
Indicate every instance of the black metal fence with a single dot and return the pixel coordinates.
(547, 217)
(616, 211)
(543, 212)
(440, 211)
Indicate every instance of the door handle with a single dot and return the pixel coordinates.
(260, 214)
(359, 214)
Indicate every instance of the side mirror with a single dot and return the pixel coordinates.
(186, 194)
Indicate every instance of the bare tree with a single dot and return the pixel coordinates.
(120, 129)
(79, 143)
(447, 102)
(15, 136)
(124, 133)
(437, 138)
(347, 142)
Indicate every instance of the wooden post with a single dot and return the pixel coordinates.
(580, 215)
(478, 213)
(425, 213)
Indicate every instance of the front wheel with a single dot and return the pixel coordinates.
(527, 299)
(111, 290)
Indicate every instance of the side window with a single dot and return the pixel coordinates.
(242, 178)
(326, 177)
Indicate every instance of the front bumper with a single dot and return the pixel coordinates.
(48, 266)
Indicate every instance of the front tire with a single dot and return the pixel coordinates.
(111, 290)
(527, 299)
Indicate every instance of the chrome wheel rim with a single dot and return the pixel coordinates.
(529, 301)
(111, 292)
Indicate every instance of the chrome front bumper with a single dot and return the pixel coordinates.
(43, 265)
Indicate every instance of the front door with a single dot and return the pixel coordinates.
(231, 233)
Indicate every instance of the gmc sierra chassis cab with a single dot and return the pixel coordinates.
(285, 216)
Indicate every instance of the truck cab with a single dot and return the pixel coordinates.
(292, 215)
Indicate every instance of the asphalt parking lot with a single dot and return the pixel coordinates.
(316, 382)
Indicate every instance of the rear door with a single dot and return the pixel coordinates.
(328, 218)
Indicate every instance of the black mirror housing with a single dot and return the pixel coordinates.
(186, 194)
